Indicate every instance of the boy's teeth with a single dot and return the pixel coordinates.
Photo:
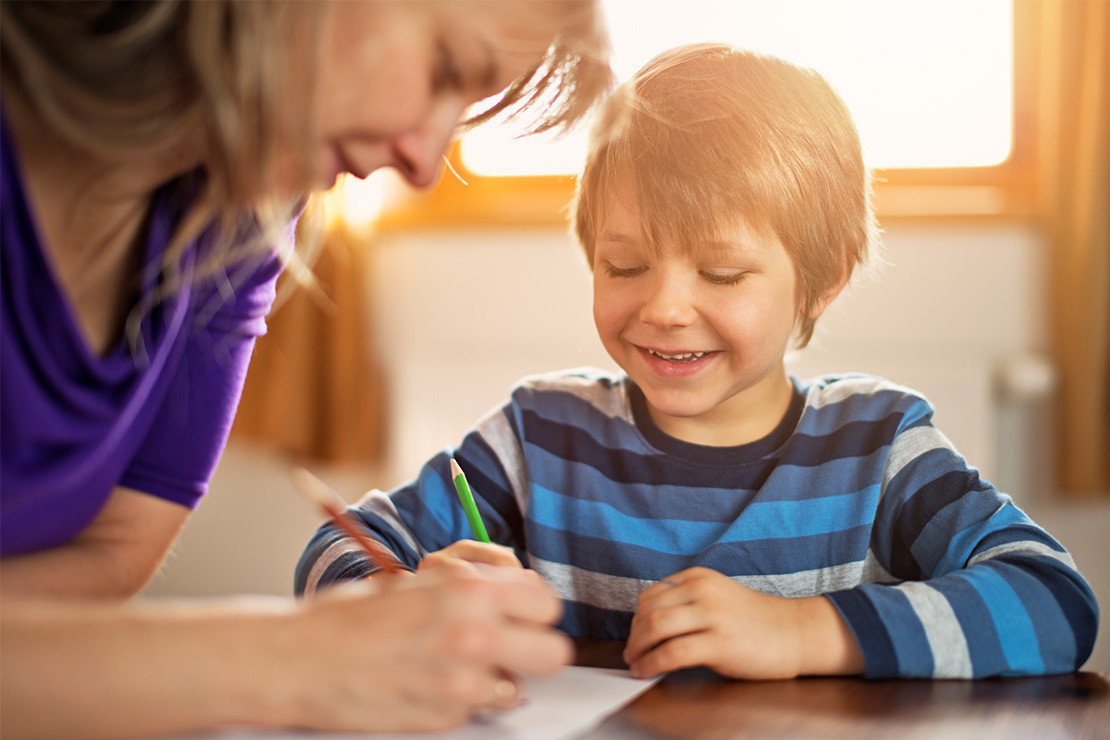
(685, 357)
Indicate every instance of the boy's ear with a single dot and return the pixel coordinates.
(828, 297)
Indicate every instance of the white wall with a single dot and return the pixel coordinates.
(460, 315)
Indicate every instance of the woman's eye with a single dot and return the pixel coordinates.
(446, 75)
(622, 272)
(731, 278)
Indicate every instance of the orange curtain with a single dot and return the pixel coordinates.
(315, 387)
(1075, 164)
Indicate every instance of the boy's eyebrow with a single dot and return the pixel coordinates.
(712, 247)
(618, 237)
(727, 247)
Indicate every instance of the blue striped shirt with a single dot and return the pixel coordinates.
(855, 495)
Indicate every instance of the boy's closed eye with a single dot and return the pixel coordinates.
(724, 278)
(623, 271)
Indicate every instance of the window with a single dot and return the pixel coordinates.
(940, 90)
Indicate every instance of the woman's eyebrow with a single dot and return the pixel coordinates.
(490, 67)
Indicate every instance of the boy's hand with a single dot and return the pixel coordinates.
(699, 617)
(459, 558)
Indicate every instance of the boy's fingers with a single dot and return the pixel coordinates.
(674, 654)
(667, 592)
(482, 552)
(488, 553)
(655, 626)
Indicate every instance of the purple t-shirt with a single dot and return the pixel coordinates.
(152, 414)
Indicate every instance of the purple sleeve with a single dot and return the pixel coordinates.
(180, 452)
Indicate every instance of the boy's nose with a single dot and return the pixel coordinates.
(667, 305)
(418, 154)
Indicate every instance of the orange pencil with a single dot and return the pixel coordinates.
(334, 506)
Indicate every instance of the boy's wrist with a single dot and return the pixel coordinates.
(828, 646)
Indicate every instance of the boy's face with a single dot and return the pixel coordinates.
(702, 334)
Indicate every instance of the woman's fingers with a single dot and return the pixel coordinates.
(504, 616)
(445, 647)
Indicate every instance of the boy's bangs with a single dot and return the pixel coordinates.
(688, 192)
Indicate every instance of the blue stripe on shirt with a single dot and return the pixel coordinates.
(770, 520)
(976, 622)
(965, 542)
(750, 558)
(1018, 638)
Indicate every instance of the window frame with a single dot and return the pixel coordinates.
(1003, 191)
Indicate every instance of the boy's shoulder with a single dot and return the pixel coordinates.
(855, 383)
(601, 389)
(851, 396)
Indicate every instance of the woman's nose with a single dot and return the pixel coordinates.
(418, 153)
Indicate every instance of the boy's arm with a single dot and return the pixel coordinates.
(424, 515)
(984, 590)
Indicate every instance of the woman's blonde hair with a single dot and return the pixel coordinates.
(707, 134)
(126, 80)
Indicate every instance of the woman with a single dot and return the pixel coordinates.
(154, 156)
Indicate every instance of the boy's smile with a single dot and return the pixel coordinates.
(677, 363)
(702, 330)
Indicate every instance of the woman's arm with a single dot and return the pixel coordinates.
(419, 653)
(112, 559)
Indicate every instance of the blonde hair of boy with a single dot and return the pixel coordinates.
(707, 134)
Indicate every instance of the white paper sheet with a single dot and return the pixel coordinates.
(556, 708)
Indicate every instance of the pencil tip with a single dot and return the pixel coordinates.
(301, 477)
(316, 489)
(455, 469)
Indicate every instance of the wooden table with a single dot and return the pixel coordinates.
(698, 704)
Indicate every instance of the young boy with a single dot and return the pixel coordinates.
(704, 505)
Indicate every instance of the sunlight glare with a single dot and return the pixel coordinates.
(930, 82)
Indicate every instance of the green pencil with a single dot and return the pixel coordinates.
(467, 499)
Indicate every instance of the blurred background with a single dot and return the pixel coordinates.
(988, 123)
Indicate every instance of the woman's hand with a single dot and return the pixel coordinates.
(419, 652)
(423, 652)
(699, 617)
(460, 557)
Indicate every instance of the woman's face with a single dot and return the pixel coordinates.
(394, 77)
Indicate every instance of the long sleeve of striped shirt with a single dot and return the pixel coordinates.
(856, 495)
